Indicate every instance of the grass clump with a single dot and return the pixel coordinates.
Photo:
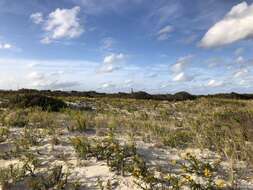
(55, 178)
(41, 119)
(4, 134)
(17, 118)
(11, 175)
(177, 138)
(30, 137)
(80, 121)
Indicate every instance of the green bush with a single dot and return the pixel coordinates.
(36, 100)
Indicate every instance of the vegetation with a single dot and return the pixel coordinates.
(203, 143)
(36, 100)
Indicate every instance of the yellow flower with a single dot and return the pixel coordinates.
(220, 183)
(168, 177)
(188, 178)
(207, 172)
(136, 172)
(173, 162)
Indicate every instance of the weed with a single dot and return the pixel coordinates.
(4, 134)
(17, 118)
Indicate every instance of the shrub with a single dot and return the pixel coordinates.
(36, 100)
(54, 179)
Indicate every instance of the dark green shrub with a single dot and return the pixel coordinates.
(35, 100)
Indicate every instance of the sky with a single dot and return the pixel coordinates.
(161, 46)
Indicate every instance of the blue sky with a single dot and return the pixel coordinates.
(161, 46)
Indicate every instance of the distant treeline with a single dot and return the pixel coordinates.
(180, 96)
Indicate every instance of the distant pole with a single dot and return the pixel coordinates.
(132, 90)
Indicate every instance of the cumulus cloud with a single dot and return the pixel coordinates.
(60, 24)
(37, 18)
(214, 83)
(114, 58)
(6, 46)
(163, 33)
(112, 62)
(182, 77)
(236, 25)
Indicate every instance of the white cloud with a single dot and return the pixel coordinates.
(181, 63)
(36, 76)
(240, 60)
(163, 33)
(108, 43)
(48, 74)
(46, 40)
(60, 24)
(182, 77)
(51, 80)
(114, 58)
(6, 46)
(112, 62)
(108, 85)
(214, 83)
(37, 18)
(241, 73)
(108, 68)
(236, 25)
(128, 81)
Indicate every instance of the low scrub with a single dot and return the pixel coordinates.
(124, 160)
(35, 100)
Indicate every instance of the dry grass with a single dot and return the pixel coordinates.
(113, 133)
